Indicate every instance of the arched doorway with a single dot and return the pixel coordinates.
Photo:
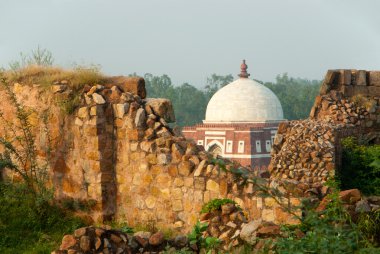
(215, 150)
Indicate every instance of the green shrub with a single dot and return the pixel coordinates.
(196, 237)
(360, 167)
(30, 224)
(215, 204)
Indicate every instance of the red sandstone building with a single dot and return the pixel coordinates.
(241, 122)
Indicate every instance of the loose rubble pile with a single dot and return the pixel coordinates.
(354, 203)
(303, 151)
(105, 240)
(225, 224)
(334, 108)
(307, 152)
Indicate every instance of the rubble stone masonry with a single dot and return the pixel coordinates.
(118, 149)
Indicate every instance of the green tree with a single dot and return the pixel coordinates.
(295, 94)
(215, 82)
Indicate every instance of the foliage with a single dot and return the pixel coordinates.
(215, 204)
(360, 167)
(330, 231)
(216, 82)
(196, 237)
(295, 94)
(20, 152)
(40, 57)
(29, 223)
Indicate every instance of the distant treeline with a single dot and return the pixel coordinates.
(295, 94)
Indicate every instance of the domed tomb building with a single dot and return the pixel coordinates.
(241, 122)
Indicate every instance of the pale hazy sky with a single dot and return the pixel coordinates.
(189, 40)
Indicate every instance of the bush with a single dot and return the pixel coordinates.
(216, 204)
(360, 167)
(30, 224)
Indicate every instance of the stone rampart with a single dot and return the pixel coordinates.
(118, 149)
(308, 151)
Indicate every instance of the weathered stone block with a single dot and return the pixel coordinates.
(212, 186)
(374, 90)
(163, 159)
(98, 99)
(185, 168)
(162, 108)
(150, 202)
(177, 205)
(164, 180)
(374, 78)
(140, 118)
(362, 90)
(135, 85)
(120, 110)
(199, 183)
(178, 182)
(82, 112)
(200, 168)
(345, 77)
(361, 78)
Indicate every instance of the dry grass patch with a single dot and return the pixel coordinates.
(48, 75)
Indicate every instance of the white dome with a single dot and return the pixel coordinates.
(244, 100)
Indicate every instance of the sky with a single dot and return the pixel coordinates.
(190, 40)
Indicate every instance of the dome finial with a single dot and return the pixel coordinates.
(243, 72)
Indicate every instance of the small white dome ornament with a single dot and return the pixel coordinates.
(244, 100)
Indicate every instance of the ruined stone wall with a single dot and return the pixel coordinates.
(118, 150)
(308, 151)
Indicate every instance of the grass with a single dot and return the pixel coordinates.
(30, 224)
(48, 75)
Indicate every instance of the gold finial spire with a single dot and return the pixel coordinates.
(243, 72)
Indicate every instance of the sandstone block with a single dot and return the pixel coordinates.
(177, 193)
(177, 205)
(98, 99)
(199, 183)
(162, 108)
(362, 90)
(361, 78)
(58, 88)
(248, 231)
(156, 239)
(345, 77)
(178, 182)
(212, 186)
(163, 159)
(85, 243)
(350, 196)
(140, 118)
(82, 112)
(134, 85)
(150, 202)
(374, 78)
(120, 110)
(200, 168)
(67, 242)
(185, 168)
(374, 90)
(78, 122)
(163, 180)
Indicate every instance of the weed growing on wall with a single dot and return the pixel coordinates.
(216, 204)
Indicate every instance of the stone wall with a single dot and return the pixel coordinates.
(308, 151)
(118, 150)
